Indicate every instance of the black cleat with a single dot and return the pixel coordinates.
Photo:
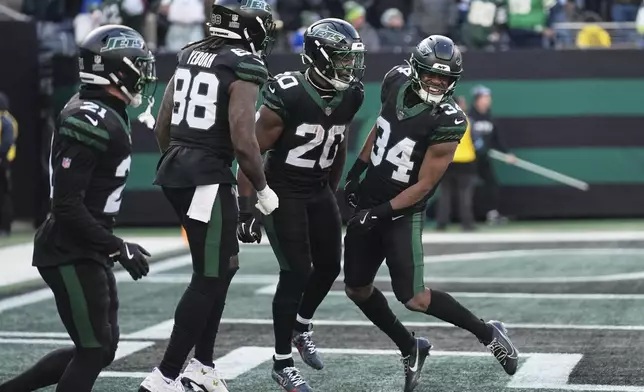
(414, 363)
(502, 348)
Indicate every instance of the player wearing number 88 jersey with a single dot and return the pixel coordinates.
(405, 155)
(206, 120)
(303, 124)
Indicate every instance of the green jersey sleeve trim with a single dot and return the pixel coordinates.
(254, 73)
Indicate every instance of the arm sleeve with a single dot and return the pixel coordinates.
(251, 69)
(451, 130)
(6, 137)
(273, 99)
(72, 174)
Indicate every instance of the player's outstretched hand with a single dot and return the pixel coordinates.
(267, 201)
(351, 192)
(133, 258)
(248, 229)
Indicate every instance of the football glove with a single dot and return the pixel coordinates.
(267, 201)
(352, 182)
(365, 220)
(133, 258)
(248, 228)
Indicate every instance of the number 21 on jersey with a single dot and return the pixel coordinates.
(399, 155)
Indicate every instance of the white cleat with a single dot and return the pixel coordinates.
(203, 377)
(156, 382)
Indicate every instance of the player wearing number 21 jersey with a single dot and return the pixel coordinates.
(206, 120)
(303, 124)
(405, 155)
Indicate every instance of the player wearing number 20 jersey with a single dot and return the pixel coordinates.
(206, 120)
(303, 124)
(406, 154)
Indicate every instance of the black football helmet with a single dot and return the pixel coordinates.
(435, 55)
(251, 22)
(334, 49)
(115, 55)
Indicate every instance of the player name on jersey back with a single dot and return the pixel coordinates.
(201, 59)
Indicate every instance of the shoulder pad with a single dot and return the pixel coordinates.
(396, 76)
(87, 125)
(451, 124)
(247, 66)
(276, 92)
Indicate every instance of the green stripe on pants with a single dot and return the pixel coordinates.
(272, 237)
(78, 305)
(417, 251)
(213, 240)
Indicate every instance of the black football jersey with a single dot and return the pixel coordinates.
(201, 150)
(300, 161)
(89, 165)
(403, 136)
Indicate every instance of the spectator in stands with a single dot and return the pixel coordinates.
(459, 181)
(624, 10)
(434, 16)
(395, 35)
(186, 18)
(483, 24)
(529, 25)
(355, 14)
(8, 136)
(486, 136)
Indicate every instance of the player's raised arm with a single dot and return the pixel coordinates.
(437, 158)
(162, 126)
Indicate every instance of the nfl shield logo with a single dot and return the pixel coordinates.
(67, 162)
(328, 111)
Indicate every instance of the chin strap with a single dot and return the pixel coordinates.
(146, 117)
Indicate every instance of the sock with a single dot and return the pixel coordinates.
(47, 371)
(301, 324)
(82, 371)
(378, 311)
(281, 361)
(189, 322)
(205, 346)
(285, 305)
(320, 282)
(446, 308)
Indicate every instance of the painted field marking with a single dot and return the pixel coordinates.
(121, 276)
(124, 349)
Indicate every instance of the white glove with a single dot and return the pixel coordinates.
(267, 201)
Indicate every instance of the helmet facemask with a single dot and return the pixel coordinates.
(433, 85)
(138, 81)
(343, 67)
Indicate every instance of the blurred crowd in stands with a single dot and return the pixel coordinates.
(385, 25)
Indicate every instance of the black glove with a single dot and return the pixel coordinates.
(248, 229)
(133, 258)
(352, 182)
(365, 220)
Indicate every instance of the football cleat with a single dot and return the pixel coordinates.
(206, 378)
(414, 362)
(502, 348)
(306, 347)
(157, 382)
(291, 380)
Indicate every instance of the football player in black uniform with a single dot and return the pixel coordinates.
(206, 120)
(75, 249)
(405, 155)
(303, 124)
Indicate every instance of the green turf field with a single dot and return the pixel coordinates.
(574, 309)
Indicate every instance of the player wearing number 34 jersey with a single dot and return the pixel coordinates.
(405, 155)
(206, 120)
(303, 124)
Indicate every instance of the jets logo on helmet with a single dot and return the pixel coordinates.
(436, 66)
(334, 49)
(124, 41)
